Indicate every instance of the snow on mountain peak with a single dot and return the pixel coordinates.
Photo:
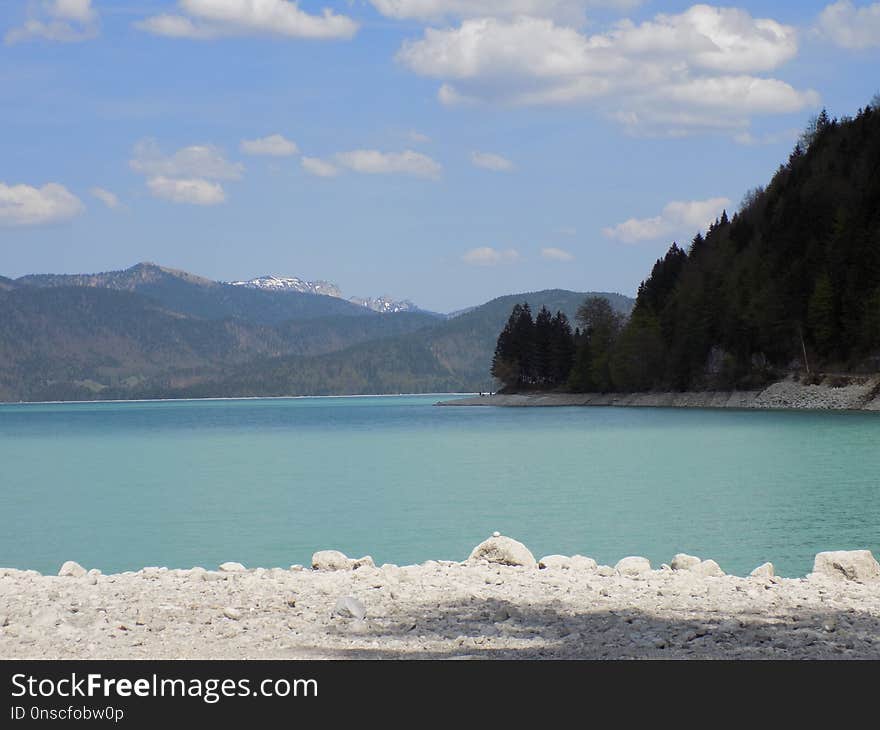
(270, 282)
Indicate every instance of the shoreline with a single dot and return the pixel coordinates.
(499, 603)
(862, 393)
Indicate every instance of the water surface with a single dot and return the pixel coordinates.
(119, 486)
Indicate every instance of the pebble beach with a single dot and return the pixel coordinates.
(498, 603)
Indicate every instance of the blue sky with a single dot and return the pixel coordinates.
(439, 150)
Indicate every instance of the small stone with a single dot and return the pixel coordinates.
(232, 613)
(496, 534)
(350, 607)
(232, 568)
(364, 562)
(291, 602)
(829, 625)
(765, 570)
(633, 565)
(297, 568)
(72, 569)
(606, 571)
(555, 562)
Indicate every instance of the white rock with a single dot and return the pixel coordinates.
(709, 568)
(503, 551)
(350, 607)
(331, 560)
(296, 568)
(683, 561)
(232, 613)
(364, 562)
(72, 569)
(232, 568)
(606, 571)
(633, 565)
(766, 570)
(554, 562)
(857, 565)
(582, 562)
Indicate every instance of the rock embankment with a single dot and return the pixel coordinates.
(833, 393)
(501, 602)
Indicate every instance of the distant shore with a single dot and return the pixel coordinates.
(499, 603)
(859, 393)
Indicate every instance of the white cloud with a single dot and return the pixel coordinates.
(195, 161)
(488, 256)
(490, 161)
(374, 162)
(675, 73)
(57, 20)
(849, 26)
(194, 191)
(24, 205)
(436, 10)
(418, 137)
(274, 145)
(190, 175)
(319, 167)
(204, 19)
(557, 254)
(106, 197)
(678, 217)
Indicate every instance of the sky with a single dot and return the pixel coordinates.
(444, 151)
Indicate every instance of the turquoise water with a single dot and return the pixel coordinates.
(119, 486)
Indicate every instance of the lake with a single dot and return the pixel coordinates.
(120, 486)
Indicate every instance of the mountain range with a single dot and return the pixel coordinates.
(152, 331)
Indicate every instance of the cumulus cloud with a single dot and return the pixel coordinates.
(489, 161)
(557, 254)
(205, 161)
(375, 162)
(24, 205)
(678, 217)
(106, 197)
(319, 167)
(849, 26)
(275, 145)
(572, 11)
(205, 19)
(192, 191)
(190, 175)
(57, 20)
(701, 68)
(488, 256)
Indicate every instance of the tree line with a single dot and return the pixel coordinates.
(789, 283)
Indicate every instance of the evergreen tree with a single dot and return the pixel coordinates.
(543, 339)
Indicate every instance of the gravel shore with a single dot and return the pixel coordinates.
(860, 393)
(480, 608)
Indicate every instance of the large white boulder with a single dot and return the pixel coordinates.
(335, 560)
(633, 565)
(72, 569)
(683, 561)
(765, 570)
(708, 568)
(504, 551)
(857, 565)
(230, 568)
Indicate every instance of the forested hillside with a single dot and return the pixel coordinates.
(789, 283)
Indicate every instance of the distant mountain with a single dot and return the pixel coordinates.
(150, 331)
(383, 304)
(200, 297)
(451, 355)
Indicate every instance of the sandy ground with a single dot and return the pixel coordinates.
(474, 609)
(861, 394)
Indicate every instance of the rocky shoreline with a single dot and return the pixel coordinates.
(499, 603)
(855, 393)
